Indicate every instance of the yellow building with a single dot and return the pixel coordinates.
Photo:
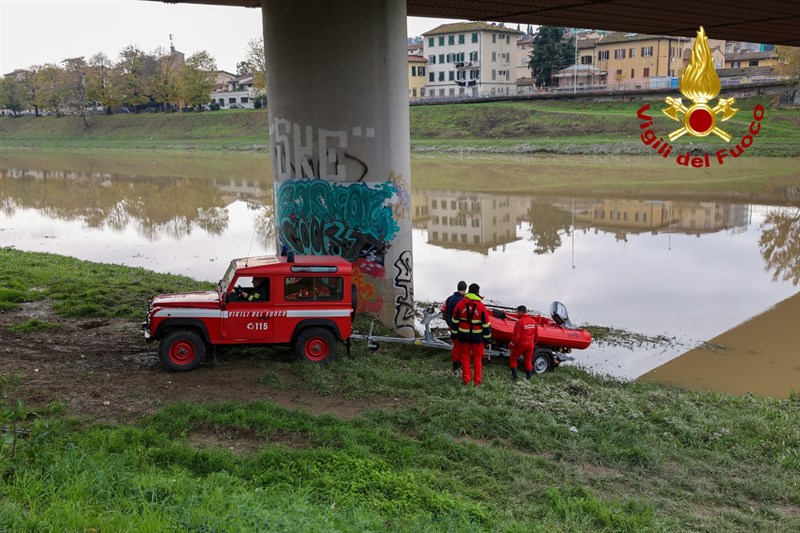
(416, 76)
(632, 60)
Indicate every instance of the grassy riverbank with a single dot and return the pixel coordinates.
(566, 452)
(552, 126)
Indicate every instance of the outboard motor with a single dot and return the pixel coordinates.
(559, 313)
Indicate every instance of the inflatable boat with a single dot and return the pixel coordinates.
(556, 333)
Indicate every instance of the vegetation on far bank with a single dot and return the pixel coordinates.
(567, 451)
(534, 126)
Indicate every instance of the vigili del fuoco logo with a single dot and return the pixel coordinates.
(699, 84)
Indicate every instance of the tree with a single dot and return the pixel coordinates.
(30, 83)
(99, 80)
(162, 85)
(128, 78)
(50, 88)
(257, 61)
(197, 78)
(242, 68)
(789, 62)
(12, 95)
(74, 86)
(551, 53)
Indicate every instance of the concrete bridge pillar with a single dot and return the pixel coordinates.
(337, 94)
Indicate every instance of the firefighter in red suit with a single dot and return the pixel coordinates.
(447, 310)
(523, 342)
(471, 328)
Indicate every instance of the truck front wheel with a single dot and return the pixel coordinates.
(316, 345)
(182, 350)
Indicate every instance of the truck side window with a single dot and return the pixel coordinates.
(313, 288)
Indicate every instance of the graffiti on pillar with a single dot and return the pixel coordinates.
(325, 206)
(296, 156)
(403, 303)
(402, 207)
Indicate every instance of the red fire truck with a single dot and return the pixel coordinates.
(304, 301)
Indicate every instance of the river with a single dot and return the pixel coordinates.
(680, 266)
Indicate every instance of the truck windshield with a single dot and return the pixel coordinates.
(227, 279)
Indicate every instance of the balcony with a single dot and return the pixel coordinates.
(467, 64)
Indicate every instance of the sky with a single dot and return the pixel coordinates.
(35, 32)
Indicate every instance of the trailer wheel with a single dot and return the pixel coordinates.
(316, 345)
(542, 361)
(182, 350)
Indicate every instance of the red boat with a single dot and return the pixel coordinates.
(555, 333)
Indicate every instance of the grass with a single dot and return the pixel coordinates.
(568, 451)
(83, 289)
(534, 126)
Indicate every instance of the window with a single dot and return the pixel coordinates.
(474, 37)
(231, 100)
(441, 76)
(441, 40)
(451, 39)
(434, 203)
(494, 74)
(631, 52)
(602, 55)
(413, 70)
(413, 93)
(431, 76)
(641, 217)
(441, 58)
(421, 71)
(432, 59)
(430, 41)
(461, 38)
(494, 37)
(753, 63)
(735, 64)
(494, 57)
(632, 74)
(244, 100)
(619, 53)
(474, 74)
(450, 76)
(307, 288)
(473, 56)
(647, 51)
(646, 73)
(441, 92)
(585, 60)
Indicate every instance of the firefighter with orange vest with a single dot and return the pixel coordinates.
(523, 342)
(471, 329)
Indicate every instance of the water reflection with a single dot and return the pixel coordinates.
(154, 206)
(677, 266)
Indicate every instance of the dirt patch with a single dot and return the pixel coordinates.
(104, 371)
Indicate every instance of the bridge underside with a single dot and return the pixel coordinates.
(765, 21)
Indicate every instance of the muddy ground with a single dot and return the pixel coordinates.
(103, 371)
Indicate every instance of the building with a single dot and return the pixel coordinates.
(581, 78)
(631, 60)
(236, 92)
(470, 59)
(524, 51)
(749, 59)
(416, 76)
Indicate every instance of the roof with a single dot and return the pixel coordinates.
(582, 70)
(744, 56)
(417, 59)
(620, 37)
(767, 21)
(461, 27)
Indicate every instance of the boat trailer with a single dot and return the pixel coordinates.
(428, 339)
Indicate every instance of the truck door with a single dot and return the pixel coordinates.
(249, 315)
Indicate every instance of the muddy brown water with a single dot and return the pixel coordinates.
(690, 263)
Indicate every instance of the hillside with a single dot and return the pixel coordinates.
(553, 126)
